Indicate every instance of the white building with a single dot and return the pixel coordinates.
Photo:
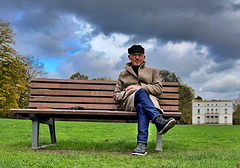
(212, 112)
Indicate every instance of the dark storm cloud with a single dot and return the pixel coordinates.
(220, 67)
(212, 23)
(236, 6)
(199, 21)
(37, 19)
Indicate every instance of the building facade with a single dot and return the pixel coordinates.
(212, 112)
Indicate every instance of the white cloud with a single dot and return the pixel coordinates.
(85, 27)
(226, 83)
(180, 49)
(111, 47)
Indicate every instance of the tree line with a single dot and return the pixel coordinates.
(186, 95)
(236, 108)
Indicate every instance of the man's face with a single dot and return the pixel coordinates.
(136, 58)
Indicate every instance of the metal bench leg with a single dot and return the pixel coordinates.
(159, 143)
(52, 130)
(35, 130)
(35, 134)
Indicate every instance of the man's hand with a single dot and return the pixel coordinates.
(132, 87)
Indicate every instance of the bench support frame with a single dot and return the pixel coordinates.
(51, 123)
(158, 146)
(35, 130)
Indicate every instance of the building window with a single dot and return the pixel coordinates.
(216, 104)
(225, 111)
(207, 104)
(198, 111)
(225, 104)
(211, 120)
(225, 120)
(207, 110)
(216, 119)
(198, 104)
(198, 120)
(207, 121)
(216, 111)
(212, 111)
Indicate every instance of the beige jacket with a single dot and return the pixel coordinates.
(148, 79)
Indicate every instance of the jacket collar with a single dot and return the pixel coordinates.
(128, 67)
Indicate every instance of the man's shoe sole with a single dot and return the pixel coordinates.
(168, 126)
(139, 154)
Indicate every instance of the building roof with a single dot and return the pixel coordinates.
(212, 100)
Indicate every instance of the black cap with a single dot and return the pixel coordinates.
(135, 48)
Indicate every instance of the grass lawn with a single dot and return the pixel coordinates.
(96, 144)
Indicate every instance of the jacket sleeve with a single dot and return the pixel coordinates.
(118, 92)
(155, 88)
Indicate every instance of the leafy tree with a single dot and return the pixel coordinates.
(186, 95)
(167, 76)
(236, 113)
(12, 70)
(16, 71)
(34, 68)
(78, 76)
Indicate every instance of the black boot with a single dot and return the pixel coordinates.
(163, 125)
(141, 149)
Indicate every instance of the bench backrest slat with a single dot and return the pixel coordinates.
(90, 94)
(72, 86)
(36, 92)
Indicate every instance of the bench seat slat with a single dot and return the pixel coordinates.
(88, 106)
(82, 112)
(68, 113)
(67, 105)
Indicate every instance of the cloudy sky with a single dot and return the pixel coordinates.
(198, 40)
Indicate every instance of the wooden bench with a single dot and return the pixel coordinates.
(51, 98)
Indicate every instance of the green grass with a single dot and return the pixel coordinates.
(96, 144)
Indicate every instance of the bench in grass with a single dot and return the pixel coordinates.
(51, 98)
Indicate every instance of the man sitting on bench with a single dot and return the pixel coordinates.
(137, 90)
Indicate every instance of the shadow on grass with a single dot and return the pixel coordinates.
(88, 145)
(107, 146)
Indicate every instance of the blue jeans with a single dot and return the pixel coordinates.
(145, 111)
